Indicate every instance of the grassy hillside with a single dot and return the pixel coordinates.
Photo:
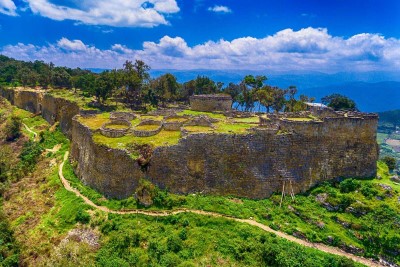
(45, 225)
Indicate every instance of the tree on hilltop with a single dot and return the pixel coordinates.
(339, 102)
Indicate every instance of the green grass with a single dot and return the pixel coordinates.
(299, 119)
(248, 120)
(306, 216)
(151, 117)
(117, 126)
(193, 240)
(198, 129)
(229, 128)
(209, 114)
(180, 240)
(95, 122)
(147, 127)
(176, 119)
(77, 97)
(163, 138)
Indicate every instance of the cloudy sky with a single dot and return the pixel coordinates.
(280, 35)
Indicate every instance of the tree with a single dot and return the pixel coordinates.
(13, 128)
(390, 162)
(61, 78)
(135, 78)
(104, 86)
(205, 85)
(165, 88)
(265, 96)
(234, 91)
(339, 102)
(278, 99)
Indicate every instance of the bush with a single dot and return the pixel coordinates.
(13, 128)
(368, 190)
(82, 216)
(174, 244)
(349, 185)
(5, 164)
(390, 162)
(29, 156)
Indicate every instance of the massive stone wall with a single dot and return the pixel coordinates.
(253, 165)
(250, 165)
(110, 171)
(211, 102)
(53, 109)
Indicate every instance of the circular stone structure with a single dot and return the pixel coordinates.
(122, 115)
(210, 103)
(174, 123)
(123, 127)
(146, 133)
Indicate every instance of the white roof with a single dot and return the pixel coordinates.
(319, 105)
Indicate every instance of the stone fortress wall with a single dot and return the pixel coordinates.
(217, 102)
(250, 165)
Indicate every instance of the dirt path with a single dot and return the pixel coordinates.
(35, 135)
(319, 246)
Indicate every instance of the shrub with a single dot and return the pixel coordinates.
(82, 216)
(5, 155)
(349, 185)
(183, 234)
(174, 244)
(368, 190)
(29, 156)
(390, 162)
(13, 128)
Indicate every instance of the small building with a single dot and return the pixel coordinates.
(316, 106)
(215, 102)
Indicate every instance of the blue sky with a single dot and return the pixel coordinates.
(310, 35)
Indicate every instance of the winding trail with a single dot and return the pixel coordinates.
(35, 135)
(319, 246)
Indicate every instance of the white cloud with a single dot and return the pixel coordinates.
(310, 49)
(220, 9)
(118, 13)
(74, 45)
(8, 7)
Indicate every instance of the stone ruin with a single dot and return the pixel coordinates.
(210, 103)
(108, 131)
